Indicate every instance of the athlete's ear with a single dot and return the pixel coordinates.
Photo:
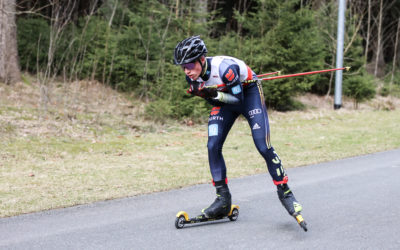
(202, 59)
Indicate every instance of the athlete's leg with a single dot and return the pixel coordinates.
(219, 123)
(256, 114)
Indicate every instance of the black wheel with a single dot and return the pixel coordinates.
(303, 225)
(234, 215)
(179, 222)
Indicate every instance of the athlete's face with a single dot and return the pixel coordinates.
(193, 70)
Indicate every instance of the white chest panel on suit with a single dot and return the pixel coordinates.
(218, 66)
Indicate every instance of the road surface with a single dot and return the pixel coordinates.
(352, 203)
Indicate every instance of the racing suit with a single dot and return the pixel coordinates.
(239, 92)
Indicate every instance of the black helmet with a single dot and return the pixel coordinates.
(189, 50)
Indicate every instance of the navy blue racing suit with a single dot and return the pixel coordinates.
(240, 92)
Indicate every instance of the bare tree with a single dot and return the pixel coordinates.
(61, 14)
(201, 10)
(379, 46)
(9, 62)
(395, 53)
(110, 21)
(177, 9)
(368, 32)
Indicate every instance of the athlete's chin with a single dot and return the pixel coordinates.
(194, 77)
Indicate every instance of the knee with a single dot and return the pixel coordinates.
(267, 152)
(262, 147)
(214, 146)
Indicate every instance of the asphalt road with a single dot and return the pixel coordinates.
(348, 204)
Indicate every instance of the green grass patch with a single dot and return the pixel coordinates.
(48, 171)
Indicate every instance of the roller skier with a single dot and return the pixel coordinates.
(241, 94)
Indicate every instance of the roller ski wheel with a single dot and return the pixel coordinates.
(290, 203)
(182, 218)
(234, 214)
(300, 220)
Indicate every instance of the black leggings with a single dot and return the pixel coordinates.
(220, 122)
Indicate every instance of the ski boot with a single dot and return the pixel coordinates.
(291, 204)
(222, 204)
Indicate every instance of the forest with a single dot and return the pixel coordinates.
(129, 46)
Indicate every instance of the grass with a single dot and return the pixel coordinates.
(81, 154)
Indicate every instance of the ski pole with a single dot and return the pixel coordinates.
(271, 73)
(303, 73)
(282, 76)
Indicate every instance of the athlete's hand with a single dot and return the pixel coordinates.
(195, 89)
(209, 92)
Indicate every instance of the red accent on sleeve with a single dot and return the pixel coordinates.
(230, 75)
(249, 73)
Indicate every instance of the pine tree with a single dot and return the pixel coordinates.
(295, 45)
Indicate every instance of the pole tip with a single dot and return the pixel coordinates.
(347, 68)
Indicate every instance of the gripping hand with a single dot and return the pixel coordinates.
(199, 89)
(209, 92)
(195, 89)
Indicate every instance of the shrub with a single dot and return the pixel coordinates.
(33, 42)
(359, 87)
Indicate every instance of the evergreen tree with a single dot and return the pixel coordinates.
(358, 84)
(295, 45)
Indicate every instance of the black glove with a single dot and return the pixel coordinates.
(195, 89)
(209, 92)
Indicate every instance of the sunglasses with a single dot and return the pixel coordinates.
(188, 66)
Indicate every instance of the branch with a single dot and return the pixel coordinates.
(354, 35)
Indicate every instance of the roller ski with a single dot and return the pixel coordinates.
(221, 208)
(182, 217)
(291, 204)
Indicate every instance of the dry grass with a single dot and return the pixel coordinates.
(73, 109)
(93, 144)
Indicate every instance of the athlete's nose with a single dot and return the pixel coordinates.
(187, 71)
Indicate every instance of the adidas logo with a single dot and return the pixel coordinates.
(256, 126)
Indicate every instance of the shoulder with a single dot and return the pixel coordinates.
(224, 60)
(226, 63)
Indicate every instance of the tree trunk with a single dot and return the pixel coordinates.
(177, 9)
(368, 33)
(379, 47)
(395, 54)
(201, 11)
(9, 63)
